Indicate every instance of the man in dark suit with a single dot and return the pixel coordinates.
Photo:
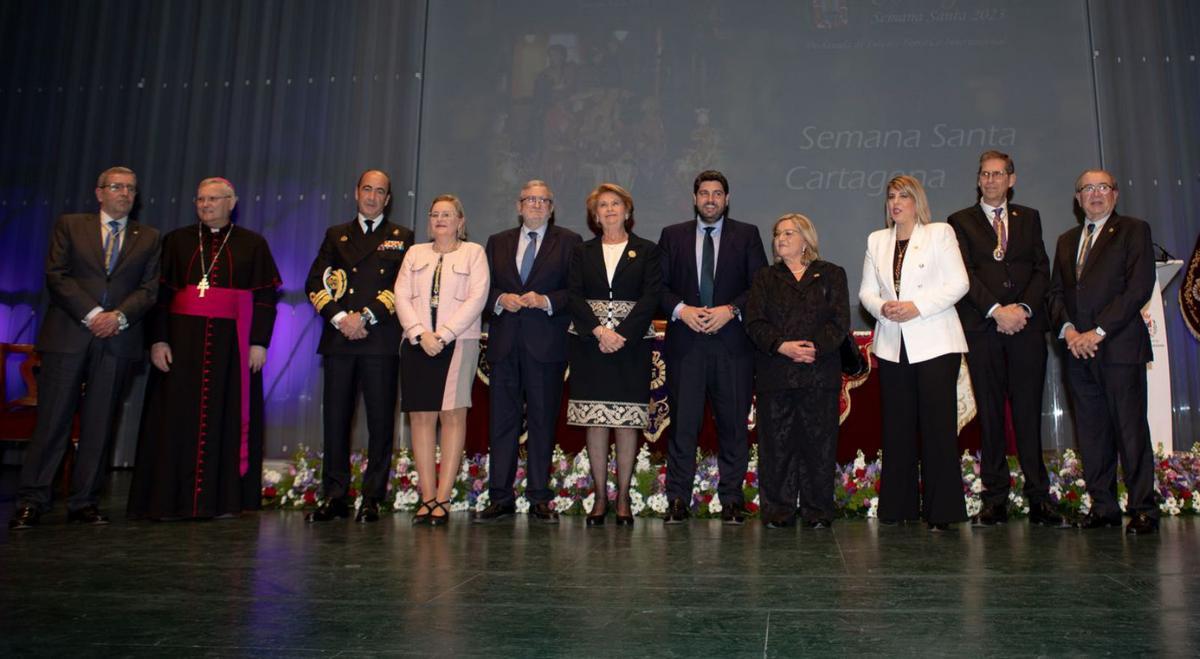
(102, 277)
(708, 265)
(1004, 319)
(527, 337)
(350, 285)
(1103, 276)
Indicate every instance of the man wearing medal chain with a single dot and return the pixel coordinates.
(1003, 316)
(200, 449)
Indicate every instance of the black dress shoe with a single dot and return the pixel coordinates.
(543, 513)
(328, 510)
(819, 524)
(368, 512)
(495, 512)
(733, 514)
(1044, 513)
(1142, 524)
(785, 522)
(991, 516)
(24, 519)
(88, 515)
(1090, 521)
(677, 512)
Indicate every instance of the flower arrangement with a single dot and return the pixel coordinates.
(856, 484)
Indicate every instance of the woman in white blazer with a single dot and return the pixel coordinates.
(912, 275)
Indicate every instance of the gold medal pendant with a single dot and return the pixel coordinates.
(998, 254)
(203, 285)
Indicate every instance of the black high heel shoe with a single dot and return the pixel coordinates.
(626, 520)
(419, 517)
(439, 520)
(596, 519)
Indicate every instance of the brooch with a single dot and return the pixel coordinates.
(632, 254)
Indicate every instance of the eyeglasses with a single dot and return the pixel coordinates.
(786, 233)
(537, 201)
(210, 200)
(1102, 188)
(444, 215)
(987, 176)
(118, 187)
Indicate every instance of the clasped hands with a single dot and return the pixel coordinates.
(105, 324)
(706, 320)
(1010, 318)
(899, 311)
(353, 326)
(531, 300)
(610, 340)
(1083, 345)
(799, 351)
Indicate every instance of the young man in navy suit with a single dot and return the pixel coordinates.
(1003, 316)
(527, 351)
(1103, 276)
(708, 265)
(102, 276)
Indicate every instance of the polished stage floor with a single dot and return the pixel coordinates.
(268, 584)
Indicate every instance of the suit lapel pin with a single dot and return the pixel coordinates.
(1014, 213)
(395, 232)
(344, 238)
(632, 254)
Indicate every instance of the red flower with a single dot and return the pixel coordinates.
(310, 497)
(405, 481)
(474, 471)
(860, 472)
(269, 492)
(751, 478)
(564, 493)
(1072, 495)
(706, 498)
(751, 507)
(662, 469)
(851, 488)
(877, 485)
(352, 493)
(1186, 495)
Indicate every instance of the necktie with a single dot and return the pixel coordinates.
(370, 227)
(530, 254)
(1083, 250)
(1001, 234)
(707, 259)
(112, 245)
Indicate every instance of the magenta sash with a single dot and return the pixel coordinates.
(226, 303)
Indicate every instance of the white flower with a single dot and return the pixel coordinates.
(636, 502)
(588, 502)
(271, 478)
(704, 485)
(714, 506)
(1085, 503)
(483, 500)
(860, 462)
(1056, 491)
(873, 511)
(1079, 482)
(459, 505)
(974, 505)
(563, 504)
(643, 460)
(1170, 506)
(656, 502)
(522, 505)
(977, 486)
(969, 476)
(1123, 501)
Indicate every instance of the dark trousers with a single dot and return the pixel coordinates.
(1011, 368)
(1110, 422)
(709, 372)
(60, 382)
(378, 376)
(797, 440)
(920, 416)
(521, 387)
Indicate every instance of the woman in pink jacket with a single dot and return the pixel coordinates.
(440, 294)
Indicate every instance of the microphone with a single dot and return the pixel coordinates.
(1163, 254)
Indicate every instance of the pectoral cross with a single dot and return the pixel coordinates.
(203, 285)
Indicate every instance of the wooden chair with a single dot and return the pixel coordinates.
(18, 416)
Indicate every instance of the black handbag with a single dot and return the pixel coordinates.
(854, 363)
